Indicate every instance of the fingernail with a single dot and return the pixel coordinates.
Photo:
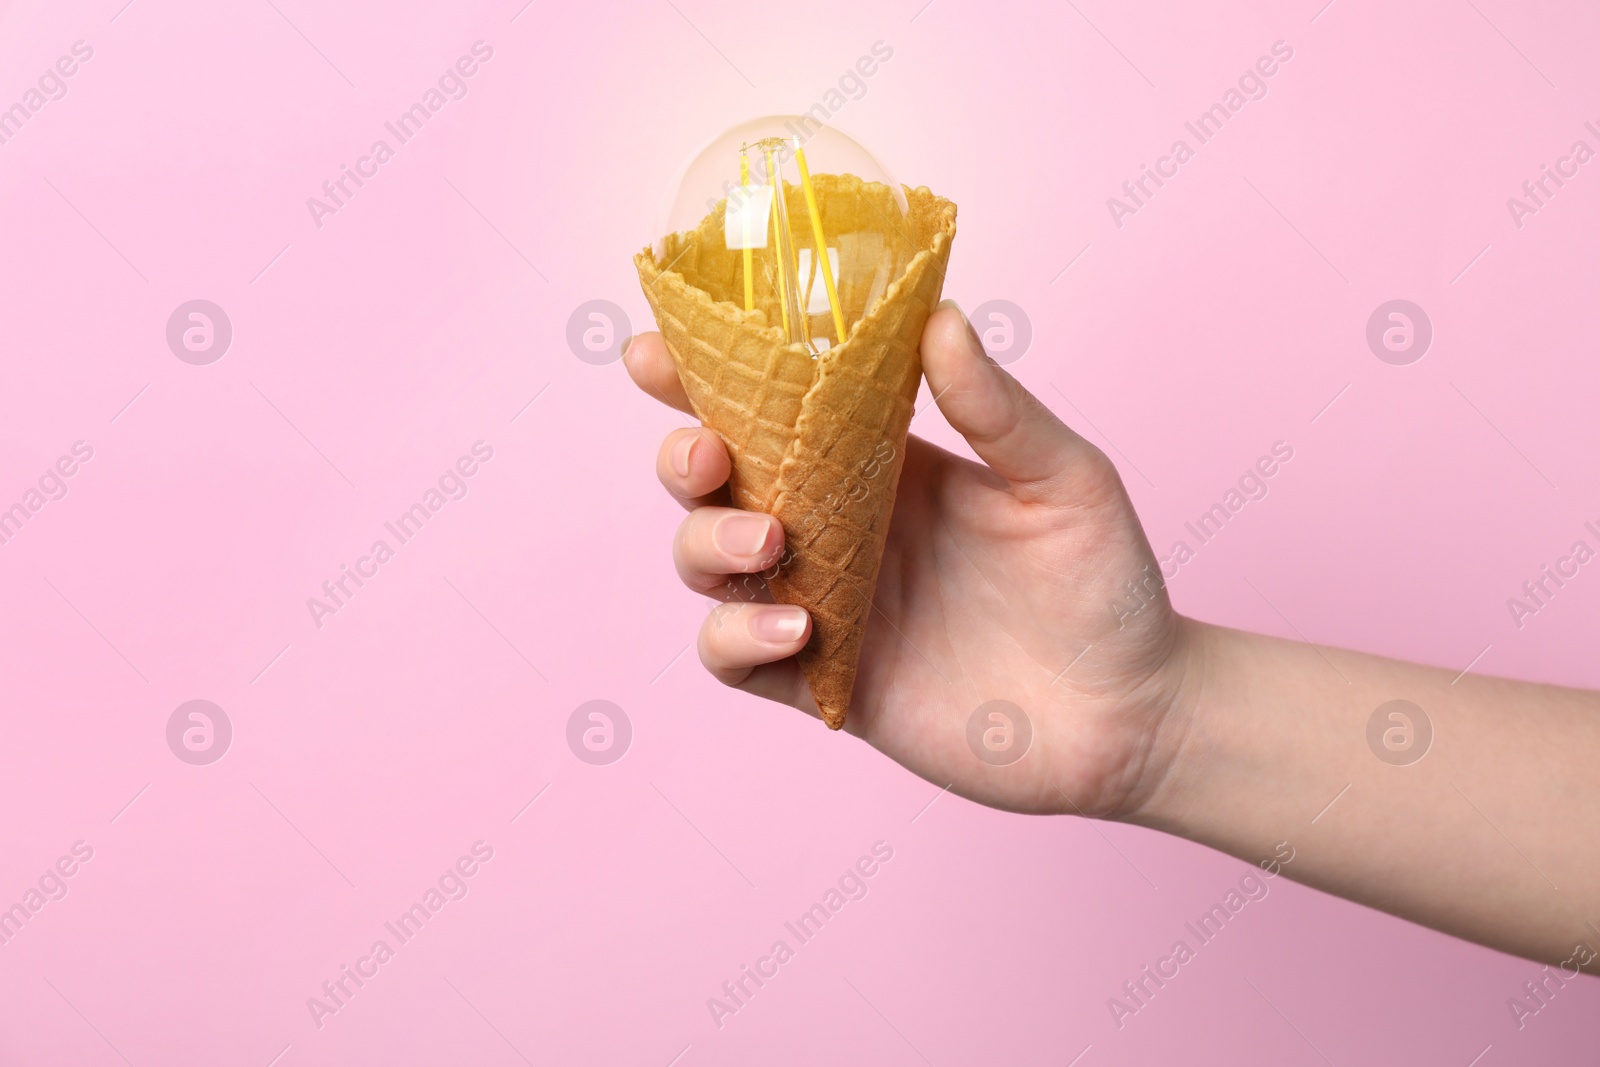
(680, 454)
(778, 625)
(743, 534)
(972, 334)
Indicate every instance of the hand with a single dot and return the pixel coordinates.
(1012, 581)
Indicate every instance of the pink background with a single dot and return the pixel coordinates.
(370, 353)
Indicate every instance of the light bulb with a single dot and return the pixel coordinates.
(790, 220)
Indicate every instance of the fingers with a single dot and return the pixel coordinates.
(1017, 436)
(693, 465)
(713, 543)
(743, 644)
(651, 368)
(750, 645)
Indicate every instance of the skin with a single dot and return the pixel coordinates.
(999, 581)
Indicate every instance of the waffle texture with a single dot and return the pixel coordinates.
(817, 443)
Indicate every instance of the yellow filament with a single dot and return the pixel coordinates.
(749, 280)
(821, 241)
(777, 251)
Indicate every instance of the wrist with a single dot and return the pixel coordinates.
(1190, 670)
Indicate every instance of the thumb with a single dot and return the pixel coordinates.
(1017, 436)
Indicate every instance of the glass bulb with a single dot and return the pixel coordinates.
(790, 220)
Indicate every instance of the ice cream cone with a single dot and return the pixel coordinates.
(816, 442)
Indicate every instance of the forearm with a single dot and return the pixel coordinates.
(1493, 835)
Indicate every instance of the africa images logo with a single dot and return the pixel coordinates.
(451, 85)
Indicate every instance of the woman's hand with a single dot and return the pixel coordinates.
(1025, 578)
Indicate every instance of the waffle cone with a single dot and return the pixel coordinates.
(816, 443)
